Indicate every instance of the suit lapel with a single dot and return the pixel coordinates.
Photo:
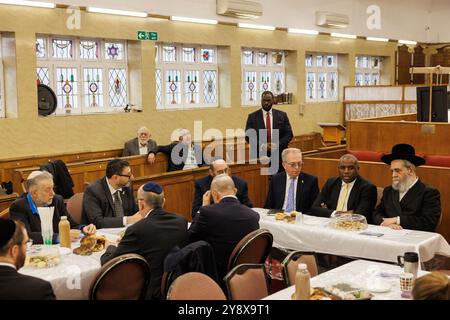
(412, 193)
(259, 120)
(353, 194)
(275, 118)
(108, 193)
(282, 189)
(395, 201)
(299, 192)
(335, 190)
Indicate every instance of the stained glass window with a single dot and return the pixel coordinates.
(311, 85)
(210, 86)
(250, 88)
(321, 77)
(89, 50)
(359, 79)
(191, 87)
(158, 88)
(247, 56)
(62, 49)
(208, 55)
(264, 84)
(263, 58)
(93, 87)
(330, 61)
(41, 48)
(188, 54)
(332, 85)
(169, 53)
(67, 89)
(309, 60)
(322, 83)
(367, 70)
(114, 51)
(172, 87)
(43, 76)
(117, 82)
(279, 83)
(319, 61)
(375, 79)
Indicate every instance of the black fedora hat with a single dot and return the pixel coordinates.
(403, 151)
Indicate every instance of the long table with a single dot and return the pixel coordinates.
(382, 243)
(361, 274)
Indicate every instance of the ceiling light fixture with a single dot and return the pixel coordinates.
(303, 31)
(29, 3)
(194, 20)
(255, 26)
(117, 12)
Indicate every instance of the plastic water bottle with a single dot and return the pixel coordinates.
(64, 232)
(302, 283)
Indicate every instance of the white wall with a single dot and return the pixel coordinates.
(420, 20)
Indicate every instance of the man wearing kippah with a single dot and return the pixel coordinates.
(152, 237)
(13, 285)
(408, 203)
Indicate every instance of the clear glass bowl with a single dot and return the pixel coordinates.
(349, 222)
(43, 256)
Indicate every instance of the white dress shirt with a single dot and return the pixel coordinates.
(142, 149)
(191, 162)
(113, 191)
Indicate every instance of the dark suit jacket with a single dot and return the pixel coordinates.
(180, 151)
(153, 238)
(280, 121)
(98, 205)
(223, 225)
(307, 191)
(420, 208)
(20, 210)
(16, 286)
(204, 184)
(131, 147)
(362, 199)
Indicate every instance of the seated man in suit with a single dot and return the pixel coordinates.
(109, 202)
(224, 223)
(202, 186)
(40, 194)
(183, 154)
(269, 119)
(348, 193)
(13, 248)
(153, 237)
(408, 203)
(292, 190)
(140, 145)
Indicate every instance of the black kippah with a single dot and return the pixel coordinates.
(7, 229)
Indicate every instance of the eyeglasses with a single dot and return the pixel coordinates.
(126, 175)
(29, 243)
(295, 164)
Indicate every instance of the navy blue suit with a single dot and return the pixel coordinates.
(223, 225)
(307, 191)
(204, 184)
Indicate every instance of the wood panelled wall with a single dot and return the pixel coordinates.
(382, 135)
(406, 60)
(379, 174)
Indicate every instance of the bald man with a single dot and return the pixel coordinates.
(202, 185)
(224, 223)
(142, 144)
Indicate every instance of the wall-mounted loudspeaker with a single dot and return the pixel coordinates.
(47, 101)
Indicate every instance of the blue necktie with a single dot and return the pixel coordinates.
(290, 205)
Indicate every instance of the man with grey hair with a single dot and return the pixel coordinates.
(224, 223)
(142, 144)
(202, 186)
(348, 193)
(152, 237)
(292, 190)
(408, 203)
(40, 194)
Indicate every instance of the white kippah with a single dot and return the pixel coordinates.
(34, 174)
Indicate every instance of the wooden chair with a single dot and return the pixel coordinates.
(4, 214)
(74, 206)
(125, 277)
(290, 264)
(247, 282)
(195, 286)
(253, 248)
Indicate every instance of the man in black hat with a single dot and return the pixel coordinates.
(152, 237)
(13, 285)
(408, 203)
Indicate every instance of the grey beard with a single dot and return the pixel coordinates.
(402, 186)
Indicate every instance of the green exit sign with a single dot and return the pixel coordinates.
(144, 35)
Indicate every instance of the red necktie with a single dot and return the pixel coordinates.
(268, 127)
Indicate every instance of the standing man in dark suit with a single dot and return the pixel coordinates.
(348, 193)
(40, 194)
(276, 134)
(202, 186)
(182, 154)
(142, 144)
(292, 190)
(109, 202)
(224, 223)
(13, 247)
(153, 237)
(408, 203)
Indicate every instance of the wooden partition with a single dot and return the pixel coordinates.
(380, 175)
(398, 117)
(179, 186)
(382, 135)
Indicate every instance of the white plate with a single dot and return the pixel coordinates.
(64, 251)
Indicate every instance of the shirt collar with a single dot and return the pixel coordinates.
(32, 205)
(148, 213)
(111, 189)
(350, 184)
(288, 177)
(265, 112)
(6, 264)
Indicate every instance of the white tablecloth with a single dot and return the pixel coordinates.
(72, 278)
(359, 274)
(315, 234)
